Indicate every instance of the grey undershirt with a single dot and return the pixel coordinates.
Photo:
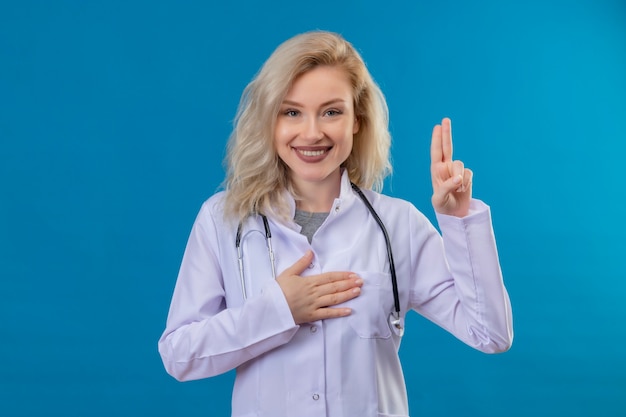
(309, 222)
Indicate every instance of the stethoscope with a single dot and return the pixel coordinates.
(394, 317)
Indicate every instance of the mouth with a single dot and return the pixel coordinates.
(306, 152)
(312, 154)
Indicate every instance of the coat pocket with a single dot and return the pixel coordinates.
(371, 309)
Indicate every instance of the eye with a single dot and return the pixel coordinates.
(333, 112)
(291, 113)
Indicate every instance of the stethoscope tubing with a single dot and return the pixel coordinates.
(394, 318)
(392, 265)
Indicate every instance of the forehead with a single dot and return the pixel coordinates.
(321, 82)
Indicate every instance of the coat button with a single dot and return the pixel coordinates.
(316, 397)
(313, 329)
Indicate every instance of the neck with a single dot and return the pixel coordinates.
(318, 197)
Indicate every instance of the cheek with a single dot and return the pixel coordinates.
(281, 133)
(348, 135)
(281, 141)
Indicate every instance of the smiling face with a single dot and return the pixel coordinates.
(315, 126)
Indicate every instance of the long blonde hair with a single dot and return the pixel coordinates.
(257, 178)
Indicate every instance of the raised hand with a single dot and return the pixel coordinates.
(312, 298)
(452, 182)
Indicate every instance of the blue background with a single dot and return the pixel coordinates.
(113, 121)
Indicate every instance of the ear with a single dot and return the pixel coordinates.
(356, 126)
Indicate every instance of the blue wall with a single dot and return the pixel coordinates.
(113, 120)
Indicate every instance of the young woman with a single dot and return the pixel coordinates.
(299, 274)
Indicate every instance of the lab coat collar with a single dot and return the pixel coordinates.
(346, 194)
(345, 199)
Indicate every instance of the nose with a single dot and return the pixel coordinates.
(312, 130)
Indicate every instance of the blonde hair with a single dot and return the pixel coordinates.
(257, 178)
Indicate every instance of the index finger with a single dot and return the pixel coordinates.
(441, 145)
(334, 276)
(436, 152)
(446, 139)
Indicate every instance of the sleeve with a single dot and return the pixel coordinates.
(458, 282)
(202, 337)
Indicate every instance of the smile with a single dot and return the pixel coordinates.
(312, 153)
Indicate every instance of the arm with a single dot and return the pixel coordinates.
(458, 281)
(203, 338)
(460, 284)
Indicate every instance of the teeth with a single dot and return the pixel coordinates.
(312, 153)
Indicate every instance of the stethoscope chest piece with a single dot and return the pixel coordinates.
(396, 323)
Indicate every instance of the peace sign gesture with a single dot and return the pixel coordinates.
(452, 182)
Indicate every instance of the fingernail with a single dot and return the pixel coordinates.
(457, 179)
(358, 281)
(356, 290)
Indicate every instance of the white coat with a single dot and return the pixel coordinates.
(342, 367)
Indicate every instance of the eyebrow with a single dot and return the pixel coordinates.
(326, 103)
